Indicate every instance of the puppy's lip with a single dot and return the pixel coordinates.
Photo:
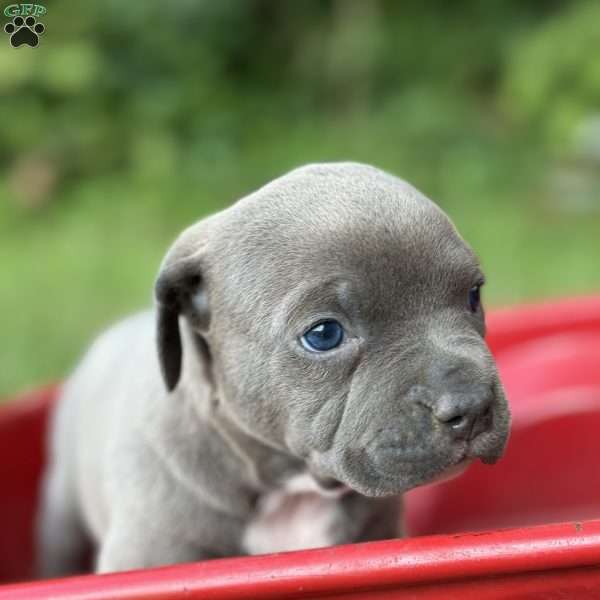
(332, 488)
(488, 447)
(388, 485)
(328, 483)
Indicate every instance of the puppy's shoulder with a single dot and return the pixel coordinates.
(121, 356)
(128, 337)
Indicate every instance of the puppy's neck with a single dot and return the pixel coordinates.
(262, 466)
(266, 467)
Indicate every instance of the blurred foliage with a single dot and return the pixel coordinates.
(133, 119)
(553, 75)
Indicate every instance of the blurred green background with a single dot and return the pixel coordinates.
(132, 119)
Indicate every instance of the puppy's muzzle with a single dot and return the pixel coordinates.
(464, 403)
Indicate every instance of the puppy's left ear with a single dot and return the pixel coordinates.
(179, 290)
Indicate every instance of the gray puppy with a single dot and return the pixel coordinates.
(321, 349)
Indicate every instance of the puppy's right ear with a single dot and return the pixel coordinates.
(179, 290)
(168, 335)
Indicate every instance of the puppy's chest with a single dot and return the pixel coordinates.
(295, 517)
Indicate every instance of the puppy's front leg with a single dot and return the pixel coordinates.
(124, 550)
(156, 520)
(132, 543)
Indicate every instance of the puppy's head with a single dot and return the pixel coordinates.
(339, 318)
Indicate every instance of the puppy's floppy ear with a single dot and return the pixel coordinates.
(179, 290)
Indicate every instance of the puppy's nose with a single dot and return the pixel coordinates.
(464, 415)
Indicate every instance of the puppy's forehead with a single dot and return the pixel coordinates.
(336, 219)
(336, 195)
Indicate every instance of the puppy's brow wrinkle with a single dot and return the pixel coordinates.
(296, 301)
(405, 350)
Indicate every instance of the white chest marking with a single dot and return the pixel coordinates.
(295, 517)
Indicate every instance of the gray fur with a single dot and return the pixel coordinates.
(154, 476)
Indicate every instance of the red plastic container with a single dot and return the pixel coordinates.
(549, 358)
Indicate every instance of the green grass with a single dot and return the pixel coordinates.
(91, 254)
(147, 129)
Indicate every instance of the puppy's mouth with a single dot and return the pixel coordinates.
(486, 448)
(387, 466)
(413, 472)
(329, 486)
(489, 445)
(368, 474)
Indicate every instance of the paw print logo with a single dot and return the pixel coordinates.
(24, 31)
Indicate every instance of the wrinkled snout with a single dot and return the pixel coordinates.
(444, 407)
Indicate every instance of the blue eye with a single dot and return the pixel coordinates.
(324, 336)
(475, 298)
